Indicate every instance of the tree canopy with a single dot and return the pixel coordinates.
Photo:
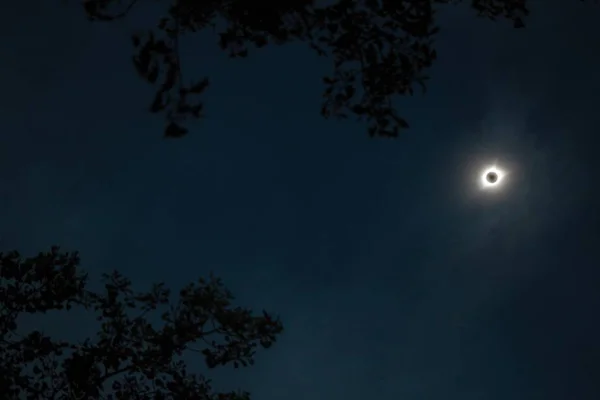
(132, 356)
(380, 49)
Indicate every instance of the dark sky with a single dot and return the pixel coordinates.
(395, 275)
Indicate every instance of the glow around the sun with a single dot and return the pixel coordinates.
(485, 183)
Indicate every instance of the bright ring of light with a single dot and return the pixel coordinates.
(491, 177)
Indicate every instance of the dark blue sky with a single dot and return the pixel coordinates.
(395, 276)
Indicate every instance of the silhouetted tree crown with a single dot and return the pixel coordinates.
(379, 48)
(130, 357)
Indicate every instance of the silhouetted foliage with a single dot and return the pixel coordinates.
(130, 357)
(379, 48)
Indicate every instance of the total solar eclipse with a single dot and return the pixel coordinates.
(491, 177)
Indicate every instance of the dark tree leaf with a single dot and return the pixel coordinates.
(175, 130)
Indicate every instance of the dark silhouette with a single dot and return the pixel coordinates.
(130, 357)
(379, 48)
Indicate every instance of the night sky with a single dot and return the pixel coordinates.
(395, 275)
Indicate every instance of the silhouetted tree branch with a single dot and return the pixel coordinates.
(379, 48)
(130, 357)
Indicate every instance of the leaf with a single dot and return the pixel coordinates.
(153, 74)
(136, 40)
(199, 87)
(174, 130)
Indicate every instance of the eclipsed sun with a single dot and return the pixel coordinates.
(492, 177)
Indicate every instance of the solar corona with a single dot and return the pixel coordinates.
(492, 177)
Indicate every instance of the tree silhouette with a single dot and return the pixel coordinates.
(379, 48)
(130, 357)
